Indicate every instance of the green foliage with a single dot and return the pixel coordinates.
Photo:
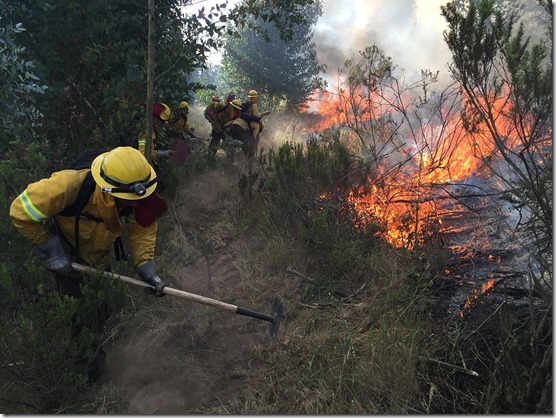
(285, 73)
(285, 15)
(340, 258)
(19, 89)
(46, 340)
(299, 172)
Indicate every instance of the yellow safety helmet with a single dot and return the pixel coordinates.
(162, 111)
(184, 104)
(253, 93)
(236, 103)
(124, 172)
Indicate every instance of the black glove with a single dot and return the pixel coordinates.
(54, 256)
(148, 274)
(165, 153)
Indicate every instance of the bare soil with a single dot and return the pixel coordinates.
(190, 357)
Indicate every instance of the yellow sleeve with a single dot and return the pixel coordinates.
(33, 209)
(142, 145)
(142, 241)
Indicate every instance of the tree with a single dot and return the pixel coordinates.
(93, 56)
(506, 85)
(285, 70)
(19, 88)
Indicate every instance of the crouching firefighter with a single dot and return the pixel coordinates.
(121, 195)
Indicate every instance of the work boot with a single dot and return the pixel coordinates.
(94, 368)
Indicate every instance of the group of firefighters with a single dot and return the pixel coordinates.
(241, 121)
(123, 202)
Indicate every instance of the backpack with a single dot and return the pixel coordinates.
(245, 113)
(80, 162)
(246, 107)
(129, 135)
(218, 109)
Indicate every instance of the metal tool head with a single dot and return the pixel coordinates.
(277, 313)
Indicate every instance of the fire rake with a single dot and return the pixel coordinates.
(273, 319)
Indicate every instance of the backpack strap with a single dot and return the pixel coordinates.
(85, 192)
(76, 208)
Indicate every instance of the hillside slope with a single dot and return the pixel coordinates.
(189, 356)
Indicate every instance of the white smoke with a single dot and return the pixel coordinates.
(408, 31)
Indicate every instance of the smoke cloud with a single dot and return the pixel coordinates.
(408, 31)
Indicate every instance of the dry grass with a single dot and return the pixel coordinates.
(358, 323)
(358, 356)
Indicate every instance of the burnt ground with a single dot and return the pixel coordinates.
(487, 247)
(187, 357)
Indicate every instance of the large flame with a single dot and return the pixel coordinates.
(404, 202)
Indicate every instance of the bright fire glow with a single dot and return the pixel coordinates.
(473, 299)
(404, 201)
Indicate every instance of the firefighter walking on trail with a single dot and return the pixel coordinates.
(248, 127)
(252, 108)
(224, 114)
(161, 115)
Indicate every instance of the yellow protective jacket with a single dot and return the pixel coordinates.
(35, 211)
(142, 145)
(241, 123)
(222, 116)
(254, 110)
(181, 125)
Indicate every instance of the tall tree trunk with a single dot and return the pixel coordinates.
(150, 82)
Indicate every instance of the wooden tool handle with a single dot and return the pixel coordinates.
(167, 290)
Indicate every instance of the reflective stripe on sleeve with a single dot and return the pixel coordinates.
(30, 209)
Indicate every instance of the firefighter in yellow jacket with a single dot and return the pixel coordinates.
(124, 193)
(224, 114)
(180, 124)
(253, 109)
(248, 126)
(161, 115)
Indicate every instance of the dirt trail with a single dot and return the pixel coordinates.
(198, 356)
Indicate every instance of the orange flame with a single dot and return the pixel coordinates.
(402, 203)
(473, 299)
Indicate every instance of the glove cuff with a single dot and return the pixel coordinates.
(51, 249)
(54, 256)
(147, 270)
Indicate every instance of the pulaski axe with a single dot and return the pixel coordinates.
(273, 319)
